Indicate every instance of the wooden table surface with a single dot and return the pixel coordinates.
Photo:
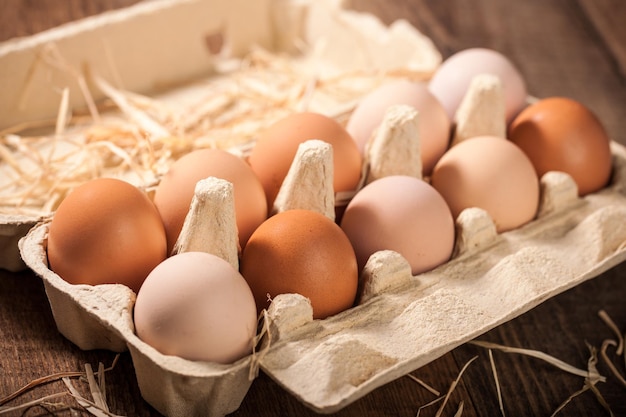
(574, 48)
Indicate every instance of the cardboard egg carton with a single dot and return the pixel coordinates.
(401, 321)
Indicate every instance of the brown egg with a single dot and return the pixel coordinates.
(175, 191)
(560, 134)
(276, 147)
(106, 231)
(303, 252)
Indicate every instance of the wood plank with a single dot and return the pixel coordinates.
(608, 18)
(22, 18)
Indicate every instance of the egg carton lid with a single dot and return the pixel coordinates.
(81, 65)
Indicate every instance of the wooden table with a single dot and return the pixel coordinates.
(574, 48)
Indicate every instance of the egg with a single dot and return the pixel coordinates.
(106, 231)
(276, 148)
(175, 191)
(403, 214)
(490, 173)
(561, 134)
(196, 306)
(302, 252)
(434, 123)
(451, 80)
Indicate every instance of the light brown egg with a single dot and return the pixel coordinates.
(434, 123)
(196, 306)
(560, 134)
(175, 191)
(490, 173)
(106, 231)
(276, 148)
(303, 252)
(403, 214)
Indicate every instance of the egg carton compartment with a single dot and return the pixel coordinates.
(101, 317)
(402, 321)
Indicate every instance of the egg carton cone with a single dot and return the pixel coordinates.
(401, 321)
(482, 110)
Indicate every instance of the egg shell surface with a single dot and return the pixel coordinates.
(490, 173)
(175, 191)
(196, 306)
(276, 148)
(403, 214)
(434, 123)
(561, 134)
(106, 231)
(452, 79)
(303, 252)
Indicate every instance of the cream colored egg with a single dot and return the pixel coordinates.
(196, 306)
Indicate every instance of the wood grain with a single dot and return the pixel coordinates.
(563, 47)
(607, 18)
(26, 17)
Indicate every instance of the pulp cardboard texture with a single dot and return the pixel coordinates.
(401, 321)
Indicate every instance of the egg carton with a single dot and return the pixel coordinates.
(401, 322)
